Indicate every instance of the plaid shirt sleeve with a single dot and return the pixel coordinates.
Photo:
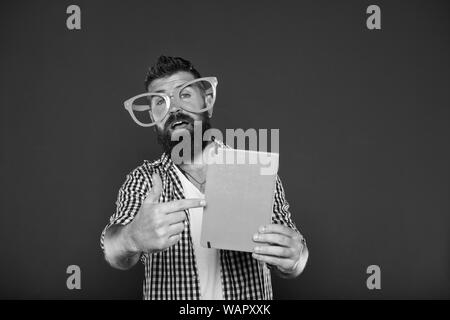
(281, 213)
(129, 200)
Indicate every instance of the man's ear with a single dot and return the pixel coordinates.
(209, 102)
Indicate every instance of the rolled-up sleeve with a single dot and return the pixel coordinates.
(129, 200)
(281, 213)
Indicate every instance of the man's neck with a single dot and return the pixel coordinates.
(197, 163)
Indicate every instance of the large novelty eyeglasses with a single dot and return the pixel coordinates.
(195, 96)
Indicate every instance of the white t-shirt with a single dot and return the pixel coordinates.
(208, 260)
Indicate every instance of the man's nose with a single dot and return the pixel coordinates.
(174, 106)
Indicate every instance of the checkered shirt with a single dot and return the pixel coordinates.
(173, 273)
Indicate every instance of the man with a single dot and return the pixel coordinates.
(160, 206)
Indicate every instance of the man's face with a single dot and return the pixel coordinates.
(177, 118)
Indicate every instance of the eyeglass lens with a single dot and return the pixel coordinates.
(191, 97)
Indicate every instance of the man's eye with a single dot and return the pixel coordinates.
(185, 95)
(159, 102)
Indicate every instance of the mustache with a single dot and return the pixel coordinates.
(174, 117)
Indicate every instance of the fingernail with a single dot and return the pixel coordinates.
(257, 249)
(262, 229)
(256, 237)
(202, 202)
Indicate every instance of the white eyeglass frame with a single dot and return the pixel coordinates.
(129, 106)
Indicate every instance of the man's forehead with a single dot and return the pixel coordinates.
(170, 82)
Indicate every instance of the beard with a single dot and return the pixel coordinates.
(164, 136)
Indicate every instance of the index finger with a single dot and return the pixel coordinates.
(183, 204)
(278, 228)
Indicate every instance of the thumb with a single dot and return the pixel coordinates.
(155, 192)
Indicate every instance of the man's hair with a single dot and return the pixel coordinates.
(166, 66)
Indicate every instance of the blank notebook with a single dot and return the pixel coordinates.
(239, 195)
